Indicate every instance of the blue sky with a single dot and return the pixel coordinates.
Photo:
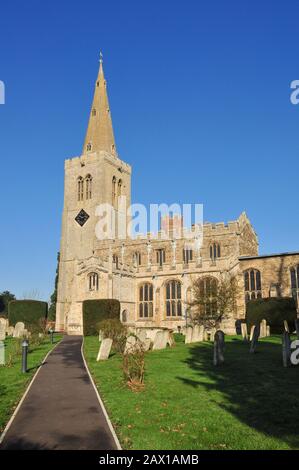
(200, 99)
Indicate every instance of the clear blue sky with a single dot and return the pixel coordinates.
(199, 93)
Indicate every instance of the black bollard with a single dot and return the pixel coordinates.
(25, 345)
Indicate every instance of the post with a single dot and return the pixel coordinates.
(52, 336)
(25, 345)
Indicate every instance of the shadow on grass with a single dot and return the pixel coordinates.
(255, 388)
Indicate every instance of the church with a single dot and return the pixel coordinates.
(151, 277)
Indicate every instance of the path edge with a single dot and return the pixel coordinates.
(10, 421)
(100, 400)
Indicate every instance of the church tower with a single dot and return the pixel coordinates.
(98, 176)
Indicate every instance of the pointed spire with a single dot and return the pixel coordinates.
(99, 135)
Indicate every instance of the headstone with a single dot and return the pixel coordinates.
(141, 335)
(251, 333)
(244, 331)
(10, 331)
(4, 322)
(286, 348)
(147, 344)
(170, 339)
(188, 337)
(160, 340)
(2, 332)
(263, 329)
(105, 349)
(268, 330)
(286, 326)
(197, 333)
(19, 330)
(2, 353)
(255, 338)
(130, 344)
(218, 348)
(297, 327)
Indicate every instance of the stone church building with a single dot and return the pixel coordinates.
(152, 278)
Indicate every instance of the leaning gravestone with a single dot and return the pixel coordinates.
(297, 327)
(244, 331)
(286, 348)
(286, 326)
(19, 330)
(160, 341)
(188, 337)
(255, 338)
(219, 342)
(105, 349)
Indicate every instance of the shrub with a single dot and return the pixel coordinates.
(133, 365)
(94, 311)
(273, 310)
(115, 330)
(31, 312)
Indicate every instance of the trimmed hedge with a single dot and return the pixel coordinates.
(28, 311)
(95, 311)
(274, 310)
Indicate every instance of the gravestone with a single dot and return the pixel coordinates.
(105, 349)
(146, 345)
(212, 334)
(188, 337)
(160, 341)
(2, 332)
(297, 327)
(19, 330)
(263, 329)
(286, 349)
(130, 344)
(2, 353)
(10, 331)
(268, 330)
(255, 338)
(286, 326)
(4, 322)
(251, 333)
(170, 339)
(219, 343)
(195, 334)
(244, 331)
(141, 335)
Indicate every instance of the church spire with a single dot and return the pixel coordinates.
(99, 135)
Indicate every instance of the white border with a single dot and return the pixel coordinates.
(100, 401)
(25, 394)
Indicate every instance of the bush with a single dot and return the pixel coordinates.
(31, 312)
(95, 311)
(274, 311)
(115, 330)
(133, 365)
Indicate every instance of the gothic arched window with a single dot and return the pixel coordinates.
(119, 188)
(215, 251)
(252, 284)
(137, 258)
(146, 300)
(173, 295)
(80, 188)
(208, 295)
(294, 271)
(93, 281)
(88, 183)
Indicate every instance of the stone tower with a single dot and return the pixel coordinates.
(98, 176)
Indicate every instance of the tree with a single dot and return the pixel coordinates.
(53, 298)
(213, 300)
(5, 298)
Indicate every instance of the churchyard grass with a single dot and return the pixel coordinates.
(12, 382)
(249, 402)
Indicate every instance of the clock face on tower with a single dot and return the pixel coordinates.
(82, 217)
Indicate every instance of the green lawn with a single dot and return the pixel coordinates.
(12, 382)
(251, 402)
